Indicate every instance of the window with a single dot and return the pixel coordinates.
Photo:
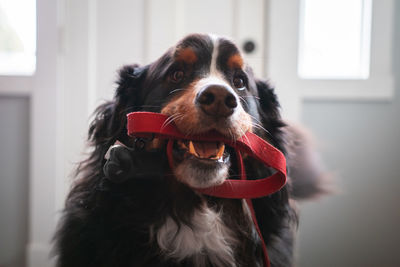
(17, 37)
(294, 54)
(334, 39)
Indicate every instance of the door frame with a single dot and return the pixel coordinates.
(44, 136)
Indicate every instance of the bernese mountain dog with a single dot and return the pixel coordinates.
(123, 210)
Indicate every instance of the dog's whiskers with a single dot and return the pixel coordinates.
(250, 96)
(258, 125)
(245, 136)
(177, 90)
(190, 132)
(171, 119)
(231, 135)
(244, 100)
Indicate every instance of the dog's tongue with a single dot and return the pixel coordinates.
(206, 150)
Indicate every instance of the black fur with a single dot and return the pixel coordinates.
(106, 223)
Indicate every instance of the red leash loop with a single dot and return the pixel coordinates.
(142, 124)
(243, 176)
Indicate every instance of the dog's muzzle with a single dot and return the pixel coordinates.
(142, 124)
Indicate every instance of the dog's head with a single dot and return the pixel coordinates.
(203, 84)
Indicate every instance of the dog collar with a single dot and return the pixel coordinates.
(143, 124)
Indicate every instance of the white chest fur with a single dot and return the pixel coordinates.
(208, 237)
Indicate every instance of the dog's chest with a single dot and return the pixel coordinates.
(206, 240)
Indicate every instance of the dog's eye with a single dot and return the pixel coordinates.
(177, 76)
(238, 82)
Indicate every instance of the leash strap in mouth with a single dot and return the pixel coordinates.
(142, 124)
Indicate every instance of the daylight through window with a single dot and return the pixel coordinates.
(17, 37)
(334, 41)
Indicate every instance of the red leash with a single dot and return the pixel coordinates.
(143, 124)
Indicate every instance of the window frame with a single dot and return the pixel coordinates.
(16, 85)
(282, 56)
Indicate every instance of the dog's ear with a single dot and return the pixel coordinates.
(129, 83)
(127, 95)
(307, 176)
(109, 121)
(107, 126)
(270, 113)
(268, 100)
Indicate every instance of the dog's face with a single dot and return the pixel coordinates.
(203, 84)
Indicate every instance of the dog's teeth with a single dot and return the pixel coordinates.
(192, 150)
(205, 150)
(220, 152)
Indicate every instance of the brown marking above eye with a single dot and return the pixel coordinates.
(235, 62)
(187, 55)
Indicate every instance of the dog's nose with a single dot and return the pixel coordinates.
(216, 100)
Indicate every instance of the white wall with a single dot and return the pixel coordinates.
(361, 143)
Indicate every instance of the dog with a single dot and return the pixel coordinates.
(124, 211)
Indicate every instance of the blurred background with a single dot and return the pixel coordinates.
(334, 63)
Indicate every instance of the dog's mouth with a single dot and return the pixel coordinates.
(212, 151)
(201, 164)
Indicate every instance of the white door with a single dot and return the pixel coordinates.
(101, 36)
(241, 20)
(253, 23)
(95, 38)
